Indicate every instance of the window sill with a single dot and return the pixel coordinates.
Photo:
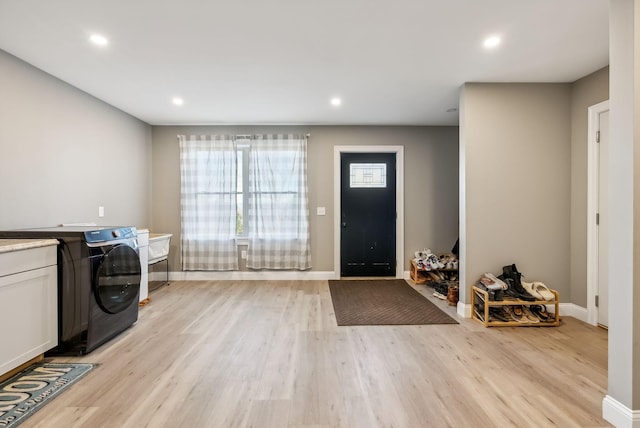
(242, 240)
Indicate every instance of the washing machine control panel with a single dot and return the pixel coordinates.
(110, 234)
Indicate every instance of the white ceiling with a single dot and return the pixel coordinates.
(393, 62)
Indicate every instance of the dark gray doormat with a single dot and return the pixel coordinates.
(383, 302)
(28, 391)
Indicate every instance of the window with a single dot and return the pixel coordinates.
(367, 175)
(242, 182)
(250, 188)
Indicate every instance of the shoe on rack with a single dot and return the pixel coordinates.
(541, 312)
(528, 286)
(543, 291)
(513, 277)
(516, 313)
(512, 293)
(530, 315)
(490, 281)
(499, 314)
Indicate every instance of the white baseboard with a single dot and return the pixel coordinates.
(618, 414)
(464, 309)
(243, 275)
(571, 310)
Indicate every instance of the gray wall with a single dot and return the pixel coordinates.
(64, 153)
(586, 92)
(515, 199)
(431, 181)
(624, 213)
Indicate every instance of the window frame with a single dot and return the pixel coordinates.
(243, 146)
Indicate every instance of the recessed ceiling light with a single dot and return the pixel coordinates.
(177, 101)
(491, 42)
(99, 40)
(335, 101)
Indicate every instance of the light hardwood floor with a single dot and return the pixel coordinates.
(269, 354)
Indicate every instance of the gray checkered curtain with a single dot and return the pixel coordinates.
(208, 203)
(278, 208)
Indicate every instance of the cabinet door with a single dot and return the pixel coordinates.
(28, 315)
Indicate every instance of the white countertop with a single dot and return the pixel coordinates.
(8, 245)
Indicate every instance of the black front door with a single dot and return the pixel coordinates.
(368, 214)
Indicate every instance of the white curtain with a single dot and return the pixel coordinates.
(208, 203)
(278, 207)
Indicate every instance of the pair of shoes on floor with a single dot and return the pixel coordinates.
(538, 290)
(439, 295)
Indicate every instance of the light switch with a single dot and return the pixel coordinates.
(321, 211)
(100, 211)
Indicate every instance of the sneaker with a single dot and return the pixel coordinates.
(440, 296)
(492, 282)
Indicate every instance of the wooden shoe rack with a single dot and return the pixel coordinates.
(421, 276)
(482, 295)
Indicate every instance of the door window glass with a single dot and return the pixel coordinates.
(368, 175)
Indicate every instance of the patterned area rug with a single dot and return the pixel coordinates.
(383, 302)
(28, 391)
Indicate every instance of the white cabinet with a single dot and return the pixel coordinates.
(143, 249)
(28, 303)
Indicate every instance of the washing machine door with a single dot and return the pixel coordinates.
(117, 281)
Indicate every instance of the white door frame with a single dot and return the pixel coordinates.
(592, 209)
(337, 182)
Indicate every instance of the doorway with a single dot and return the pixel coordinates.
(597, 216)
(359, 256)
(368, 214)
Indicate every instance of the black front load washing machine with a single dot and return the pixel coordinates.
(98, 283)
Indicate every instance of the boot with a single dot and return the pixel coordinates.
(513, 276)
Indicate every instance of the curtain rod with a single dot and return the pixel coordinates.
(250, 136)
(253, 135)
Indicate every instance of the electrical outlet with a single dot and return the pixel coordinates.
(321, 211)
(100, 211)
